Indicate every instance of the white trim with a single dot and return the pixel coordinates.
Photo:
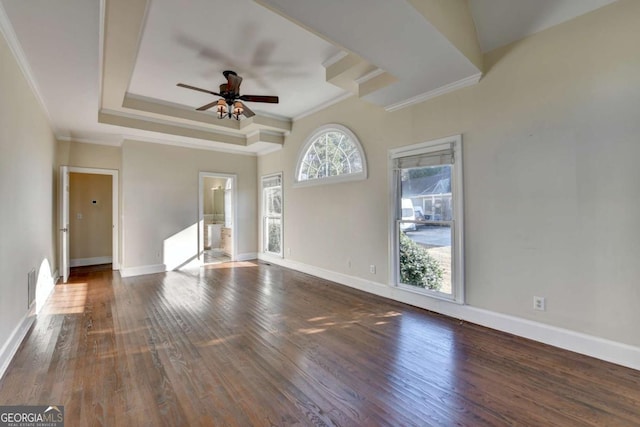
(371, 75)
(142, 270)
(247, 256)
(117, 143)
(467, 81)
(17, 336)
(80, 262)
(322, 106)
(424, 147)
(115, 206)
(600, 348)
(311, 139)
(14, 45)
(335, 58)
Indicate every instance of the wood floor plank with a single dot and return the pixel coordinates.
(252, 344)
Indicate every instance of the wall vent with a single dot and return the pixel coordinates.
(31, 286)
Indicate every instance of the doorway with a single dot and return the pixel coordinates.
(217, 226)
(91, 201)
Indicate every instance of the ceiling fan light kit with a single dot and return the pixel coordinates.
(221, 108)
(231, 105)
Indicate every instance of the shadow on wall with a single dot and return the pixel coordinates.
(44, 284)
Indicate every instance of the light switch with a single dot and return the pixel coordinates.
(79, 215)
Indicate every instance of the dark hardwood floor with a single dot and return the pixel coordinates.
(246, 344)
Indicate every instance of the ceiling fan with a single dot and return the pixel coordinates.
(230, 105)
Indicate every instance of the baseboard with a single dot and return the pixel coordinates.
(600, 348)
(80, 262)
(143, 269)
(13, 343)
(247, 256)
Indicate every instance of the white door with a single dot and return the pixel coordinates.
(64, 223)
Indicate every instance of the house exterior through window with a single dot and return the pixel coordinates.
(427, 228)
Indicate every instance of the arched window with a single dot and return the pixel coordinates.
(331, 154)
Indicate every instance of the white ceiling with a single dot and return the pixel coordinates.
(282, 49)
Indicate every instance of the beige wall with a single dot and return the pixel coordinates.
(72, 153)
(160, 199)
(551, 182)
(26, 191)
(90, 223)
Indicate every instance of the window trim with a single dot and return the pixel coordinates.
(358, 176)
(458, 274)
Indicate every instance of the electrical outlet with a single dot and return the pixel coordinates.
(539, 303)
(372, 269)
(288, 251)
(349, 262)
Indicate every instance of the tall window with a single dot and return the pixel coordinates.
(427, 217)
(272, 214)
(331, 154)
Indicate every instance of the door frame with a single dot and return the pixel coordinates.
(234, 211)
(115, 214)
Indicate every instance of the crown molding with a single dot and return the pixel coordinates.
(95, 141)
(324, 105)
(467, 81)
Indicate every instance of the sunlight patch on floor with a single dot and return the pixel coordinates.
(67, 299)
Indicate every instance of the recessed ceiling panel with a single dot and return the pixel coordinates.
(193, 42)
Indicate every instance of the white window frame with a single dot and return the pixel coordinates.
(457, 228)
(264, 215)
(358, 176)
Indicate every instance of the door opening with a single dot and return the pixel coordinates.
(217, 230)
(88, 218)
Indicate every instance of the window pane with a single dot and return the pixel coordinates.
(272, 238)
(429, 189)
(332, 153)
(273, 200)
(272, 214)
(425, 257)
(425, 249)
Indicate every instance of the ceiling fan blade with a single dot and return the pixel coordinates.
(260, 98)
(234, 81)
(206, 107)
(247, 111)
(198, 89)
